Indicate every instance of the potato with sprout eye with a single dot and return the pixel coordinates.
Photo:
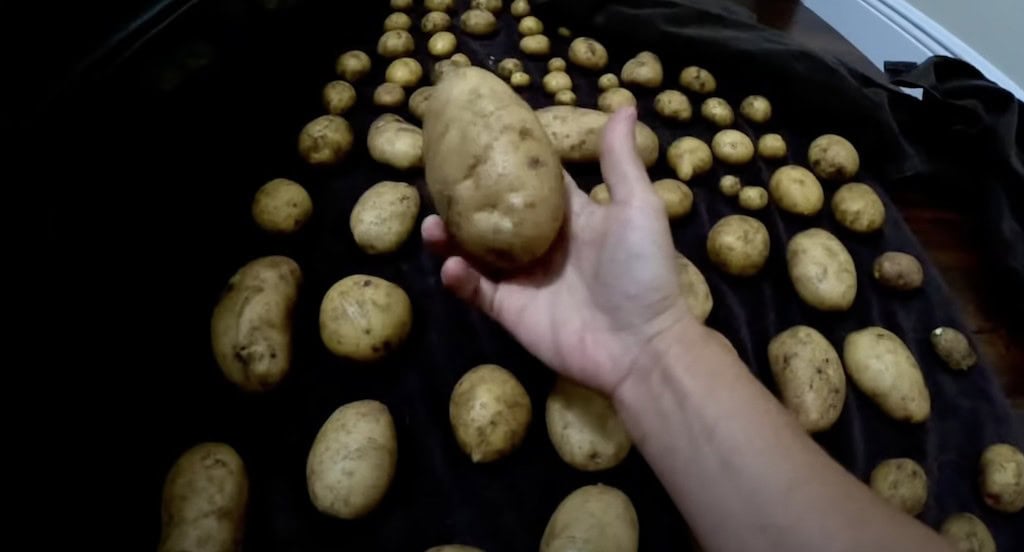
(697, 79)
(644, 69)
(588, 53)
(326, 140)
(674, 105)
(756, 109)
(739, 245)
(717, 111)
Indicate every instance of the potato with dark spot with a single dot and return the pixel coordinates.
(694, 288)
(339, 96)
(689, 157)
(435, 22)
(809, 375)
(882, 366)
(394, 142)
(644, 69)
(478, 22)
(584, 427)
(676, 196)
(795, 190)
(897, 270)
(326, 140)
(576, 134)
(772, 147)
(833, 158)
(966, 533)
(595, 518)
(1002, 478)
(418, 101)
(822, 270)
(902, 483)
(364, 317)
(953, 348)
(697, 79)
(615, 99)
(535, 45)
(732, 147)
(353, 65)
(389, 94)
(395, 44)
(281, 206)
(588, 53)
(739, 245)
(756, 109)
(384, 216)
(674, 105)
(752, 198)
(858, 208)
(489, 411)
(717, 111)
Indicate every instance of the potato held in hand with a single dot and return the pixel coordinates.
(584, 427)
(809, 375)
(575, 133)
(822, 270)
(595, 518)
(882, 366)
(251, 329)
(491, 170)
(204, 501)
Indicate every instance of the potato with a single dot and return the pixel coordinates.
(493, 6)
(519, 79)
(389, 94)
(508, 66)
(326, 140)
(902, 483)
(520, 8)
(584, 427)
(439, 5)
(489, 412)
(564, 32)
(674, 105)
(730, 185)
(352, 460)
(281, 206)
(491, 170)
(435, 22)
(809, 376)
(339, 96)
(732, 147)
(967, 533)
(614, 99)
(822, 270)
(644, 69)
(401, 4)
(530, 25)
(204, 500)
(689, 157)
(588, 53)
(757, 109)
(833, 157)
(455, 547)
(535, 45)
(565, 97)
(676, 196)
(396, 143)
(717, 111)
(607, 81)
(442, 68)
(353, 65)
(898, 270)
(442, 44)
(600, 194)
(418, 101)
(858, 208)
(1002, 477)
(461, 60)
(397, 21)
(771, 147)
(694, 288)
(595, 518)
(795, 190)
(384, 216)
(555, 81)
(575, 133)
(478, 22)
(753, 198)
(953, 348)
(364, 317)
(697, 79)
(395, 44)
(739, 245)
(885, 370)
(556, 64)
(405, 72)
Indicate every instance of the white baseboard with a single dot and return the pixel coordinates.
(893, 30)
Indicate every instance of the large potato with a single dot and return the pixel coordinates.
(326, 140)
(739, 245)
(595, 518)
(384, 216)
(643, 70)
(491, 170)
(364, 317)
(833, 158)
(882, 366)
(822, 270)
(489, 411)
(902, 483)
(251, 328)
(204, 501)
(1002, 477)
(809, 375)
(967, 533)
(395, 142)
(588, 53)
(352, 460)
(689, 157)
(796, 190)
(858, 208)
(575, 133)
(694, 288)
(584, 427)
(281, 206)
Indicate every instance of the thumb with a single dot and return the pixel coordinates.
(621, 167)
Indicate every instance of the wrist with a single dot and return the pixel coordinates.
(671, 347)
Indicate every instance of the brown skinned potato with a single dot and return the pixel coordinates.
(822, 270)
(809, 375)
(489, 411)
(882, 366)
(595, 518)
(364, 317)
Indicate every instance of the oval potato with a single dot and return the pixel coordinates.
(739, 245)
(575, 133)
(833, 157)
(809, 375)
(694, 288)
(1002, 477)
(882, 366)
(364, 317)
(898, 270)
(857, 207)
(326, 140)
(281, 206)
(489, 411)
(394, 142)
(953, 348)
(795, 189)
(384, 216)
(204, 500)
(902, 483)
(822, 270)
(584, 427)
(595, 518)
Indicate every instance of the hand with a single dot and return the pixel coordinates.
(607, 289)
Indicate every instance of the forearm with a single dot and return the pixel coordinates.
(731, 457)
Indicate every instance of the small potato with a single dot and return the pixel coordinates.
(644, 69)
(694, 288)
(1002, 478)
(520, 8)
(600, 194)
(809, 375)
(595, 518)
(442, 68)
(674, 105)
(489, 412)
(898, 270)
(565, 97)
(439, 5)
(556, 64)
(395, 44)
(535, 45)
(697, 79)
(352, 461)
(689, 157)
(418, 101)
(584, 427)
(732, 147)
(326, 140)
(401, 4)
(730, 185)
(389, 94)
(739, 245)
(353, 65)
(519, 79)
(717, 111)
(756, 109)
(858, 208)
(555, 81)
(384, 216)
(833, 157)
(339, 96)
(607, 81)
(281, 206)
(771, 147)
(478, 22)
(953, 348)
(204, 500)
(902, 483)
(364, 317)
(397, 21)
(795, 190)
(564, 32)
(461, 60)
(614, 99)
(405, 72)
(493, 6)
(530, 25)
(676, 196)
(576, 134)
(822, 270)
(435, 22)
(508, 66)
(588, 53)
(394, 142)
(882, 366)
(454, 547)
(967, 533)
(752, 198)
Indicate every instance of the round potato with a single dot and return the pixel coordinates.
(756, 109)
(435, 22)
(1002, 478)
(461, 60)
(689, 157)
(809, 375)
(717, 111)
(489, 411)
(405, 72)
(397, 21)
(389, 94)
(967, 533)
(882, 366)
(508, 66)
(953, 348)
(456, 547)
(902, 483)
(478, 22)
(339, 96)
(753, 198)
(771, 147)
(584, 427)
(596, 518)
(607, 81)
(535, 45)
(439, 5)
(384, 216)
(739, 245)
(401, 4)
(353, 65)
(732, 147)
(694, 288)
(730, 185)
(555, 81)
(556, 64)
(395, 44)
(697, 79)
(281, 206)
(833, 157)
(614, 99)
(576, 134)
(204, 500)
(897, 270)
(822, 270)
(858, 208)
(644, 69)
(565, 97)
(674, 105)
(364, 317)
(676, 196)
(326, 140)
(519, 79)
(795, 190)
(530, 25)
(394, 142)
(520, 8)
(418, 101)
(588, 53)
(442, 44)
(493, 6)
(352, 460)
(600, 194)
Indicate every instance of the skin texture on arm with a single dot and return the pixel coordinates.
(604, 308)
